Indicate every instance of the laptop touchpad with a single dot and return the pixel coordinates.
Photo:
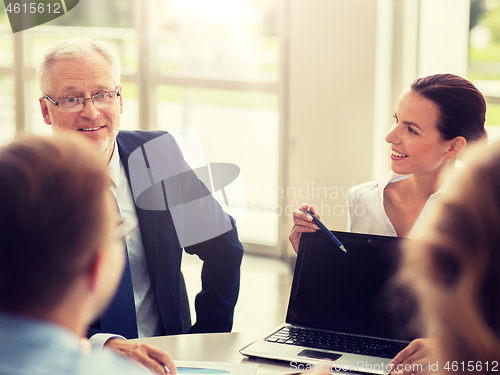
(319, 355)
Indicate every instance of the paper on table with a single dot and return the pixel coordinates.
(216, 368)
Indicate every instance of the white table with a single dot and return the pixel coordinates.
(215, 347)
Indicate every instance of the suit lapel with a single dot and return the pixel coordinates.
(161, 246)
(147, 218)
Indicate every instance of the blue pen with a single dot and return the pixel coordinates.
(326, 231)
(196, 370)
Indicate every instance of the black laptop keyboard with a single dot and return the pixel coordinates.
(337, 342)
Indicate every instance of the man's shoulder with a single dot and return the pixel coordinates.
(60, 357)
(139, 136)
(130, 140)
(107, 362)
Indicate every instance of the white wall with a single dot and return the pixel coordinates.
(444, 37)
(331, 103)
(348, 62)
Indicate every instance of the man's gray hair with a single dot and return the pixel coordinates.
(75, 48)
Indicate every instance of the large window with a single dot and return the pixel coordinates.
(484, 58)
(220, 66)
(214, 65)
(217, 69)
(7, 91)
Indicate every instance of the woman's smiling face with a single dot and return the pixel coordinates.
(416, 143)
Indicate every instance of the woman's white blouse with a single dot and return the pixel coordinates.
(366, 207)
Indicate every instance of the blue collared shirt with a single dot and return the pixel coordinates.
(36, 347)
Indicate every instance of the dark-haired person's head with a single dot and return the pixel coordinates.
(454, 265)
(57, 251)
(461, 106)
(434, 121)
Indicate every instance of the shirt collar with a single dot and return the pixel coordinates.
(114, 169)
(394, 177)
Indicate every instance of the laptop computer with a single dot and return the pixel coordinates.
(344, 310)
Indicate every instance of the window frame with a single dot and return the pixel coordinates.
(148, 77)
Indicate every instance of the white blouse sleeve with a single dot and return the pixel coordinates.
(349, 209)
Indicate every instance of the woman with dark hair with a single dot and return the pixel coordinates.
(453, 268)
(435, 119)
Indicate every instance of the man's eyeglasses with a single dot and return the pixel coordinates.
(102, 99)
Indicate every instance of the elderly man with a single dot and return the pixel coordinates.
(62, 258)
(80, 82)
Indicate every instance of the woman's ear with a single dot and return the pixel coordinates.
(456, 146)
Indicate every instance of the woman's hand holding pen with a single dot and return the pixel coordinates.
(302, 222)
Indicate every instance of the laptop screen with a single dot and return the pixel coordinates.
(349, 292)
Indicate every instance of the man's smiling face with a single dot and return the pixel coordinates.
(84, 78)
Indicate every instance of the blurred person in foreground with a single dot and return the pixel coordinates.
(453, 268)
(61, 258)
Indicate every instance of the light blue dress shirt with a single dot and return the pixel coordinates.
(37, 347)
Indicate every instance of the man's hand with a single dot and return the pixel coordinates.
(150, 357)
(416, 357)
